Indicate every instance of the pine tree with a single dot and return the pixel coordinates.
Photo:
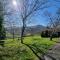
(2, 30)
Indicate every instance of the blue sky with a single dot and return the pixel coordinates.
(38, 18)
(43, 19)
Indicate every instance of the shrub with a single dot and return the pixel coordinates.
(45, 34)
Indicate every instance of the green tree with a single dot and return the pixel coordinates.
(2, 29)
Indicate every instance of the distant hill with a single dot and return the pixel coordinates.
(28, 30)
(35, 29)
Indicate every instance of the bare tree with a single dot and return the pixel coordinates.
(8, 21)
(54, 21)
(28, 9)
(10, 28)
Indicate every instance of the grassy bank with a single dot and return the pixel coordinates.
(14, 50)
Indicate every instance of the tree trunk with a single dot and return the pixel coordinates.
(51, 38)
(22, 33)
(13, 35)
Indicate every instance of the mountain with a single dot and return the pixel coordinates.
(28, 30)
(35, 29)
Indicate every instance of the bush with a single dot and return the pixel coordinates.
(45, 34)
(58, 34)
(2, 37)
(55, 34)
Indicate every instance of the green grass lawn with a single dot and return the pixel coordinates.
(14, 50)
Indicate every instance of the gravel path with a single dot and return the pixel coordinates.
(54, 53)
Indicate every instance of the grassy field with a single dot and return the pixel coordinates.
(14, 50)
